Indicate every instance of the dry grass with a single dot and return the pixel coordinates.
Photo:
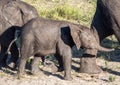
(78, 11)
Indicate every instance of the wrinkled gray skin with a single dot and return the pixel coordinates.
(13, 13)
(106, 19)
(42, 37)
(107, 22)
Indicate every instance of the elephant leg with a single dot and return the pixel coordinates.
(3, 56)
(3, 61)
(21, 66)
(67, 59)
(60, 62)
(34, 67)
(15, 56)
(66, 53)
(88, 62)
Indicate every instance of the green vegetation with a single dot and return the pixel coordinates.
(112, 78)
(78, 11)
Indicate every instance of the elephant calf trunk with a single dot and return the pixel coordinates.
(100, 48)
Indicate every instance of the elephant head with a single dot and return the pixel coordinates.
(85, 37)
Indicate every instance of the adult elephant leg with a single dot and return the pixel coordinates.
(88, 62)
(14, 56)
(3, 56)
(34, 67)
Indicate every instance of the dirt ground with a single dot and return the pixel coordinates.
(110, 75)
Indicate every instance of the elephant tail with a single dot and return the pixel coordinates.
(8, 49)
(15, 40)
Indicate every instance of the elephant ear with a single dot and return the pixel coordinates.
(95, 33)
(75, 33)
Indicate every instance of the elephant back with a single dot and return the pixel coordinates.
(15, 13)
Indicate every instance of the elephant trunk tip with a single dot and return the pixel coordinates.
(112, 49)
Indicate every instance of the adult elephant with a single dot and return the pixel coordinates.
(13, 14)
(107, 22)
(106, 19)
(42, 37)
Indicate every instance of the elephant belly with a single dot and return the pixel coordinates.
(44, 52)
(45, 46)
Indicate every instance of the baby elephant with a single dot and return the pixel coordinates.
(42, 37)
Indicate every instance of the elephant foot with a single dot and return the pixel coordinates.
(69, 78)
(20, 75)
(88, 65)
